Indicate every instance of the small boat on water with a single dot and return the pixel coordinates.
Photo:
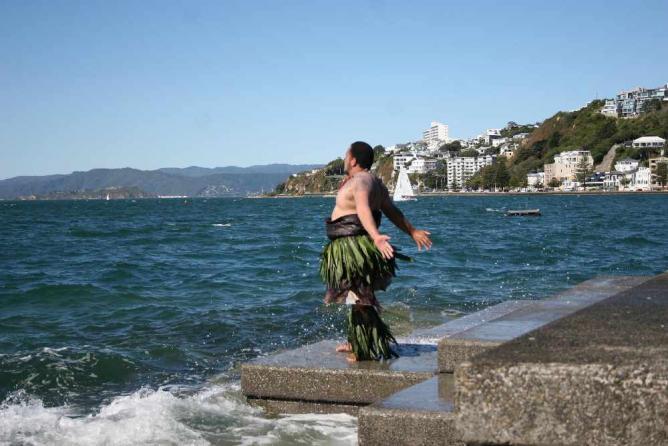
(523, 213)
(403, 191)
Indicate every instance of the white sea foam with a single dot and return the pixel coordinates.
(222, 225)
(217, 415)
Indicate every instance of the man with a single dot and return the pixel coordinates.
(359, 260)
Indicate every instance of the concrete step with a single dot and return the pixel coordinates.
(596, 377)
(525, 316)
(434, 334)
(420, 415)
(314, 377)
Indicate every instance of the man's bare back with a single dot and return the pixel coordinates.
(345, 198)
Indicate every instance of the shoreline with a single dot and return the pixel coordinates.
(482, 194)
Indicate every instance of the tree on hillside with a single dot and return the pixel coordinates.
(335, 167)
(519, 181)
(475, 182)
(378, 151)
(471, 153)
(496, 176)
(554, 183)
(454, 146)
(651, 105)
(554, 140)
(661, 174)
(583, 171)
(437, 178)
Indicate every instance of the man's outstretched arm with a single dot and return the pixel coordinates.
(362, 189)
(399, 220)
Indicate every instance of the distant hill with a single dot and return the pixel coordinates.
(326, 180)
(285, 169)
(191, 181)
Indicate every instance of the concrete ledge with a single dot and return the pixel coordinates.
(467, 322)
(596, 377)
(316, 373)
(276, 407)
(525, 317)
(419, 415)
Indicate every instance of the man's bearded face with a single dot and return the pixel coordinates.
(346, 161)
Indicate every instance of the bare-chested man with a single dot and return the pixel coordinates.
(359, 259)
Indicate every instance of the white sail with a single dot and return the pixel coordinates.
(403, 190)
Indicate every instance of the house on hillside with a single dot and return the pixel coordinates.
(650, 142)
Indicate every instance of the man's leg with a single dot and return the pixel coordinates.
(344, 348)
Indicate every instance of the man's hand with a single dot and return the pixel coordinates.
(382, 243)
(421, 238)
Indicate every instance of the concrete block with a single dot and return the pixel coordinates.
(420, 415)
(530, 315)
(316, 373)
(598, 376)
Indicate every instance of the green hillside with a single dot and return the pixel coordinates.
(327, 179)
(585, 129)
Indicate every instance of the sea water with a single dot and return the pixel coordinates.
(125, 322)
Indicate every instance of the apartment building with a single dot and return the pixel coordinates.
(460, 169)
(436, 135)
(566, 164)
(630, 103)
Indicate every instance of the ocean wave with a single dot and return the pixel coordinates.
(214, 415)
(65, 373)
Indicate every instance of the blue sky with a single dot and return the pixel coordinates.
(151, 84)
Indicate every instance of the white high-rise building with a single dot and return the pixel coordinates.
(436, 135)
(462, 168)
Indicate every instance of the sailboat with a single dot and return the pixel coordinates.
(403, 191)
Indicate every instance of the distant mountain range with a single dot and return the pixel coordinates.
(190, 181)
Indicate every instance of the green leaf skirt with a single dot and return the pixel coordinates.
(353, 263)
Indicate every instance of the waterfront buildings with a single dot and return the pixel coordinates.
(422, 165)
(536, 180)
(641, 179)
(414, 163)
(626, 165)
(460, 169)
(631, 103)
(638, 179)
(566, 165)
(651, 142)
(436, 135)
(653, 164)
(401, 159)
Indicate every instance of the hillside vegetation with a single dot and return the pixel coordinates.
(327, 179)
(584, 129)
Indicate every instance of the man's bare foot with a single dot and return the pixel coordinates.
(344, 348)
(351, 357)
